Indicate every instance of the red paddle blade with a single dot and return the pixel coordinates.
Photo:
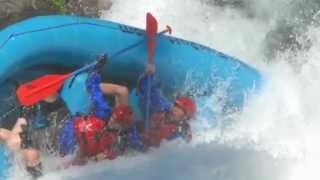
(39, 89)
(152, 25)
(151, 32)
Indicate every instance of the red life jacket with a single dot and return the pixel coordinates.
(158, 123)
(161, 129)
(93, 139)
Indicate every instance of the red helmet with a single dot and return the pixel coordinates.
(123, 115)
(187, 104)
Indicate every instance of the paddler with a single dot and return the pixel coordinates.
(167, 120)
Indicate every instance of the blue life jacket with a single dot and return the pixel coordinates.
(82, 96)
(76, 96)
(134, 140)
(157, 102)
(100, 107)
(67, 138)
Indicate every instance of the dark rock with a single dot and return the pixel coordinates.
(290, 31)
(230, 3)
(12, 11)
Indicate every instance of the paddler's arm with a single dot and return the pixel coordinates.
(158, 102)
(143, 79)
(120, 92)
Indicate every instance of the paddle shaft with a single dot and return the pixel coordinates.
(151, 32)
(89, 66)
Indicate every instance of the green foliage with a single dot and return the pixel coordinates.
(60, 5)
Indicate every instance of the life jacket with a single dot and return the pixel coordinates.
(67, 138)
(161, 128)
(134, 138)
(82, 95)
(114, 143)
(149, 93)
(75, 94)
(94, 138)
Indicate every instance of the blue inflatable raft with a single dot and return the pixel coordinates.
(39, 45)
